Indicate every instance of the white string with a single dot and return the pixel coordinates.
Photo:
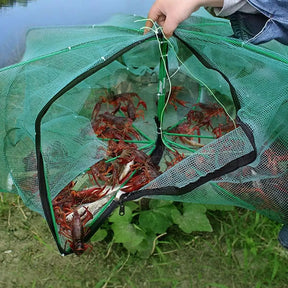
(205, 85)
(156, 30)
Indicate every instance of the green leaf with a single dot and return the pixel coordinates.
(154, 221)
(127, 233)
(193, 218)
(126, 218)
(214, 207)
(132, 205)
(145, 248)
(154, 203)
(158, 219)
(99, 235)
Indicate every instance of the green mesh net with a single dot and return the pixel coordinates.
(96, 116)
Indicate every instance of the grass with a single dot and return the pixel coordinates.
(242, 251)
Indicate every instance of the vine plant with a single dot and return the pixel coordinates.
(139, 229)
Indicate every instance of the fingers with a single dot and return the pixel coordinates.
(170, 13)
(154, 15)
(166, 20)
(169, 26)
(148, 26)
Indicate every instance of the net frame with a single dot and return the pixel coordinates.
(247, 127)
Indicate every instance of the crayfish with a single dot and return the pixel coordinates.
(173, 97)
(120, 126)
(71, 222)
(75, 231)
(130, 109)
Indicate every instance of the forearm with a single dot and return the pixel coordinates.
(211, 3)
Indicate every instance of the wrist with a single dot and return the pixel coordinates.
(211, 3)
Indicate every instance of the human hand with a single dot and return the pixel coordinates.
(170, 13)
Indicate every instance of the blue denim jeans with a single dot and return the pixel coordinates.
(283, 236)
(271, 24)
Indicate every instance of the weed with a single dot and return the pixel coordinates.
(139, 230)
(241, 252)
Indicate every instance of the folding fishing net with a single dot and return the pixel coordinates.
(96, 116)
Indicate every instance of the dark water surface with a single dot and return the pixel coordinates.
(16, 17)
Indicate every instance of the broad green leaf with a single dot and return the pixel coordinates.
(153, 203)
(165, 210)
(154, 221)
(127, 233)
(193, 218)
(126, 218)
(99, 235)
(132, 205)
(147, 246)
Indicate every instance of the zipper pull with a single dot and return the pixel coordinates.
(121, 209)
(121, 204)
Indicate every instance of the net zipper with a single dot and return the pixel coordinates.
(43, 187)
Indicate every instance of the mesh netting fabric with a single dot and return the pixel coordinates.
(96, 116)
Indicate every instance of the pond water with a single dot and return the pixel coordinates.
(17, 16)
